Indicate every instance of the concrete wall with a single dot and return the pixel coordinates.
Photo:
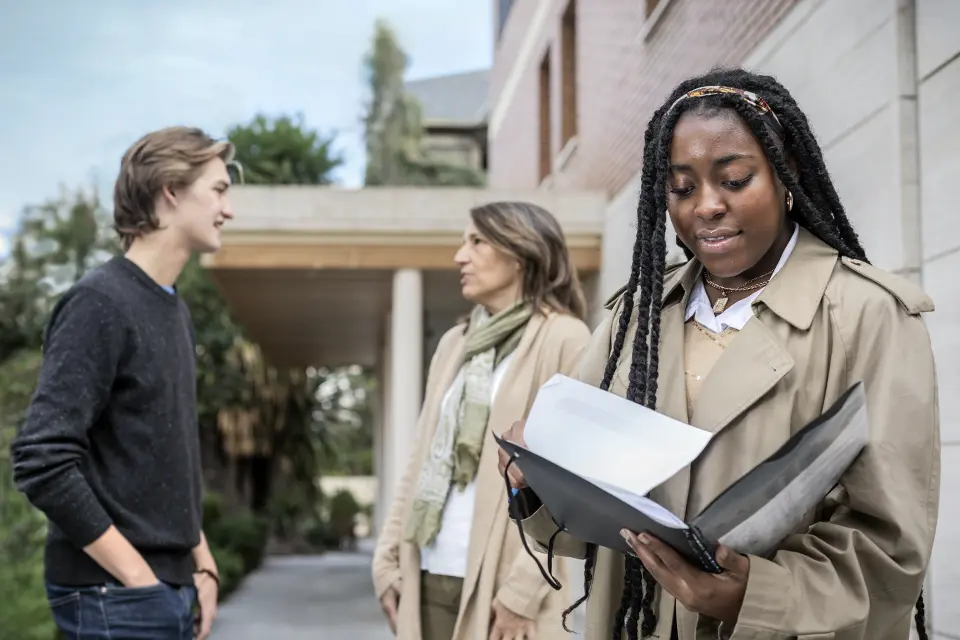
(394, 211)
(938, 71)
(849, 64)
(880, 81)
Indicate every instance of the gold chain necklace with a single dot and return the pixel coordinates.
(721, 302)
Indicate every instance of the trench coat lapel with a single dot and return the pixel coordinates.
(752, 365)
(756, 360)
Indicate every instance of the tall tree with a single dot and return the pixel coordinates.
(393, 124)
(283, 151)
(22, 529)
(56, 243)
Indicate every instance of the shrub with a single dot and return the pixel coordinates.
(24, 614)
(240, 536)
(319, 536)
(230, 566)
(344, 509)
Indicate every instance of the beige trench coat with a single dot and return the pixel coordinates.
(854, 570)
(498, 567)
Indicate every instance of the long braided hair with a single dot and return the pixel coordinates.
(784, 134)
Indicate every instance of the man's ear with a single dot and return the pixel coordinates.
(169, 195)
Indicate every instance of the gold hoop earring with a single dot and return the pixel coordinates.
(789, 201)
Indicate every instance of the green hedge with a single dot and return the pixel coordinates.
(23, 603)
(237, 540)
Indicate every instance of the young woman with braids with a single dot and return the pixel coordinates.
(775, 314)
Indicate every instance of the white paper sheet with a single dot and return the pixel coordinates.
(608, 439)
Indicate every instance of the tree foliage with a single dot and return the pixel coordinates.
(283, 150)
(393, 125)
(55, 244)
(343, 421)
(23, 608)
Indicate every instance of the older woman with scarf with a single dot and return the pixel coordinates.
(447, 565)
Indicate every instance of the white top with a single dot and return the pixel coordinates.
(447, 556)
(737, 314)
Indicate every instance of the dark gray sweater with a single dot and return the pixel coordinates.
(111, 435)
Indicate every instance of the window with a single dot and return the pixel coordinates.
(546, 160)
(568, 70)
(503, 11)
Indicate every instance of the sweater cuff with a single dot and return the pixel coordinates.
(74, 509)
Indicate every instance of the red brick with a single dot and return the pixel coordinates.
(622, 79)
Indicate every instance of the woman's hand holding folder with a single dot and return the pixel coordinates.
(718, 596)
(515, 435)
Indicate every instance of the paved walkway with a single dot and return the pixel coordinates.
(305, 598)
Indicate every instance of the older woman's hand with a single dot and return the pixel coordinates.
(515, 435)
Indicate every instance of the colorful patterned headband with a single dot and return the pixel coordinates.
(749, 97)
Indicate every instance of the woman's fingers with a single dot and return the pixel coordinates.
(515, 435)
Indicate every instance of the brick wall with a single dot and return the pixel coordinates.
(625, 70)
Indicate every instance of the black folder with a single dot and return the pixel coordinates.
(752, 516)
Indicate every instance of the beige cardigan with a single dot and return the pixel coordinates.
(853, 570)
(497, 566)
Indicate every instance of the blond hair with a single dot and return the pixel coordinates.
(171, 157)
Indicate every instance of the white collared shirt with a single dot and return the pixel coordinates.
(737, 314)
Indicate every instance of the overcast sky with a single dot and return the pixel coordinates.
(82, 79)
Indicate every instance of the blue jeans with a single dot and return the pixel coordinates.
(111, 611)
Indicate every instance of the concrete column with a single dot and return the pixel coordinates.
(377, 414)
(385, 471)
(404, 376)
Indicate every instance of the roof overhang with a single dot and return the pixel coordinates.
(308, 270)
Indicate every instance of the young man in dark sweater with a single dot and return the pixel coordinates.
(109, 450)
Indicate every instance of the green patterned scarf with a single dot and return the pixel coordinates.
(454, 454)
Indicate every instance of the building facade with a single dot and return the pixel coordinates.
(574, 83)
(454, 112)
